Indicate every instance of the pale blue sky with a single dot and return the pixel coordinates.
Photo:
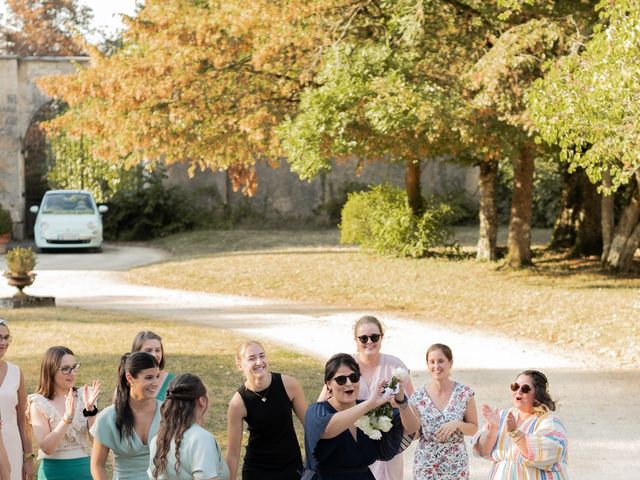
(105, 12)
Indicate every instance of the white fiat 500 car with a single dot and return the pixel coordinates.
(68, 219)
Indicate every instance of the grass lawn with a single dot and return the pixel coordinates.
(98, 339)
(568, 303)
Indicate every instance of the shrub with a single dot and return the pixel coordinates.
(151, 210)
(20, 261)
(6, 224)
(332, 208)
(382, 221)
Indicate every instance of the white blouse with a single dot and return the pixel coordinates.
(76, 442)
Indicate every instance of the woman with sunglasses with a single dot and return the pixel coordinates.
(375, 367)
(61, 417)
(335, 448)
(527, 441)
(13, 404)
(126, 427)
(183, 449)
(447, 412)
(265, 401)
(150, 342)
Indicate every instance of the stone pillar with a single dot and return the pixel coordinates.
(10, 157)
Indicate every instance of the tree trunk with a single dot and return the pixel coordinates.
(626, 237)
(607, 216)
(519, 240)
(564, 231)
(578, 223)
(488, 238)
(412, 185)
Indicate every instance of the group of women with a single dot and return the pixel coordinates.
(154, 428)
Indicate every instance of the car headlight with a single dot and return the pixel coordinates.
(92, 225)
(44, 226)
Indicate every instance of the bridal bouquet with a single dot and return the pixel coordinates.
(378, 420)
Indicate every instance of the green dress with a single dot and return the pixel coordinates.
(162, 393)
(130, 454)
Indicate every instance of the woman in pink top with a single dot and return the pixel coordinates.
(374, 368)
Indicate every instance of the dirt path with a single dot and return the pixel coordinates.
(598, 405)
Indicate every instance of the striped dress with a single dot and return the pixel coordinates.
(546, 445)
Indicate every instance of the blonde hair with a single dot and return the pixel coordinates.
(243, 346)
(367, 319)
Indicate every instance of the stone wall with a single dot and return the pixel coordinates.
(20, 100)
(282, 194)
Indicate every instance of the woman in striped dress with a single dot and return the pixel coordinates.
(528, 441)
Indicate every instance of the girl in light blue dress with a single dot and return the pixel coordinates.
(150, 342)
(127, 426)
(183, 450)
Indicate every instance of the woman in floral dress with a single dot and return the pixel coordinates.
(447, 413)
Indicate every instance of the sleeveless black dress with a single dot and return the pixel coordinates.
(273, 452)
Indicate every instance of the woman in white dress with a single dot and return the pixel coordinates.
(13, 404)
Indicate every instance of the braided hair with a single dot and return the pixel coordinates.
(178, 412)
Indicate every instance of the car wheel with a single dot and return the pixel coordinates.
(97, 249)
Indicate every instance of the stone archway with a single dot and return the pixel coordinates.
(21, 104)
(38, 157)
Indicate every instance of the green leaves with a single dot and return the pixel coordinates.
(589, 102)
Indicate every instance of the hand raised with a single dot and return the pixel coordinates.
(491, 415)
(379, 396)
(70, 403)
(89, 397)
(511, 422)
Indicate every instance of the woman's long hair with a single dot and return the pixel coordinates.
(141, 337)
(48, 369)
(133, 364)
(543, 403)
(178, 414)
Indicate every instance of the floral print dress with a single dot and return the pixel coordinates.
(435, 460)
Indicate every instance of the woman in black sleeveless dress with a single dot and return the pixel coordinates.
(265, 401)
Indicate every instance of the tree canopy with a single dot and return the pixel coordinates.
(589, 102)
(45, 27)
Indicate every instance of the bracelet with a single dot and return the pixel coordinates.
(403, 401)
(28, 456)
(91, 413)
(515, 435)
(67, 419)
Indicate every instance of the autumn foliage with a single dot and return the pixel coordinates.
(45, 28)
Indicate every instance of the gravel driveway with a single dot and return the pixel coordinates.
(598, 401)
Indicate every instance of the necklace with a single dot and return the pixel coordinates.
(263, 396)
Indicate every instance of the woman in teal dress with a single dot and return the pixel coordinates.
(183, 449)
(151, 342)
(61, 416)
(127, 426)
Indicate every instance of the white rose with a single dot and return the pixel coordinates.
(384, 423)
(400, 373)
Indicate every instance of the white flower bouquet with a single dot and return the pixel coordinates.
(378, 420)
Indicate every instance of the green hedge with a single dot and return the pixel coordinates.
(381, 220)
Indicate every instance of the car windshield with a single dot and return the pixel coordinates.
(67, 204)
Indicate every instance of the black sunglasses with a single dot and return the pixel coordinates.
(523, 388)
(365, 338)
(342, 379)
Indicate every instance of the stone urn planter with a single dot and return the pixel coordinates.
(19, 274)
(20, 281)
